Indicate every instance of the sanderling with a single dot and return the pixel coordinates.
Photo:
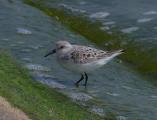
(81, 59)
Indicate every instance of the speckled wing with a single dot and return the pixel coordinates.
(83, 54)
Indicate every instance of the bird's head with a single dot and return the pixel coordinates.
(61, 47)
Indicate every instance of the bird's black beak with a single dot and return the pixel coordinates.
(51, 52)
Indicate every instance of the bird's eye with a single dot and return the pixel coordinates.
(61, 47)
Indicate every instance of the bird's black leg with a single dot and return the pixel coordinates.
(77, 83)
(86, 79)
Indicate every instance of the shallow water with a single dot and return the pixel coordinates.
(30, 36)
(126, 14)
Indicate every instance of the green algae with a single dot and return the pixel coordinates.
(37, 100)
(140, 56)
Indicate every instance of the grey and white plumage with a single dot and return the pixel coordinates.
(81, 59)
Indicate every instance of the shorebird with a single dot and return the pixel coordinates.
(81, 59)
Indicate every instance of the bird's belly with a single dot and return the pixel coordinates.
(88, 67)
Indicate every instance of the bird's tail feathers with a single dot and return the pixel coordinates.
(113, 54)
(116, 53)
(109, 56)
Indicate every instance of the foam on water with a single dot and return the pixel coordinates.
(105, 28)
(99, 15)
(5, 39)
(97, 110)
(82, 3)
(143, 20)
(109, 23)
(23, 31)
(72, 9)
(13, 45)
(80, 96)
(154, 97)
(26, 50)
(20, 42)
(121, 118)
(37, 67)
(130, 29)
(112, 94)
(26, 59)
(150, 12)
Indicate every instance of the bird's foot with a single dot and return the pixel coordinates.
(85, 85)
(76, 84)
